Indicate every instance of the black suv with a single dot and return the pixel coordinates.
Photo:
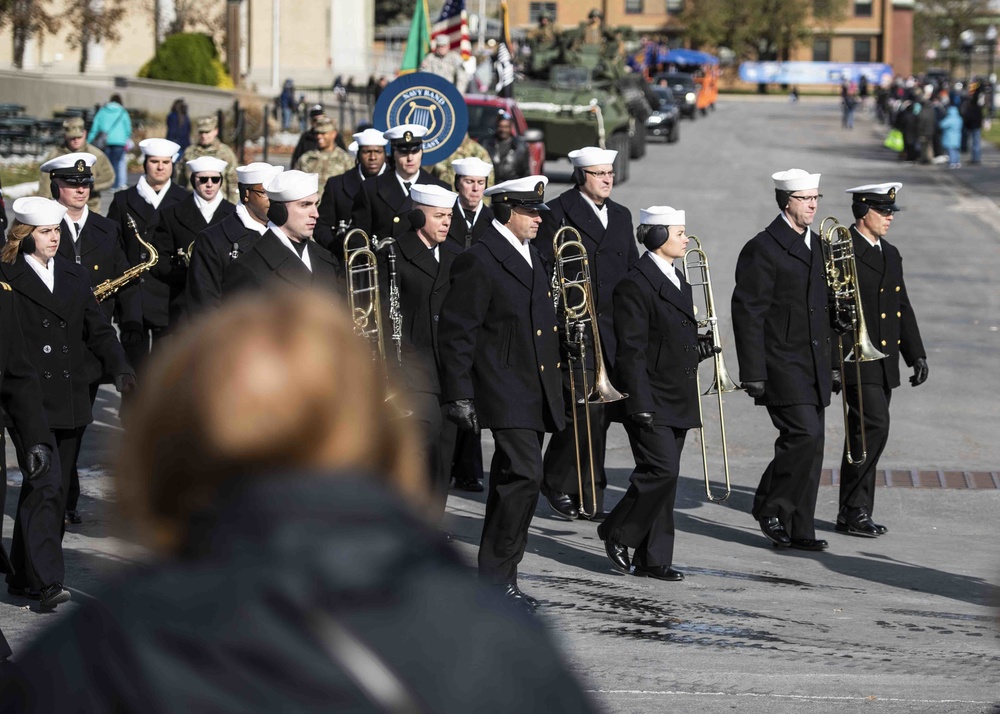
(666, 117)
(684, 89)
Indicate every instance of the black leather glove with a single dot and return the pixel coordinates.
(706, 348)
(39, 460)
(463, 413)
(754, 389)
(920, 371)
(573, 345)
(837, 381)
(124, 383)
(840, 321)
(643, 420)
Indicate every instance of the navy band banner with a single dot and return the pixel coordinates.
(814, 72)
(431, 101)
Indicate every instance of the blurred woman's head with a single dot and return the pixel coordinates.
(266, 385)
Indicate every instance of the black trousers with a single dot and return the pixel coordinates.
(560, 454)
(467, 456)
(36, 548)
(644, 518)
(5, 650)
(428, 413)
(857, 483)
(790, 483)
(73, 490)
(515, 478)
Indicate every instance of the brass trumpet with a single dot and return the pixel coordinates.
(696, 272)
(572, 273)
(842, 279)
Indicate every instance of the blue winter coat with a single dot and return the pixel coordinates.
(113, 119)
(951, 129)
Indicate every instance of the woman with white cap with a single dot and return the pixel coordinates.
(61, 322)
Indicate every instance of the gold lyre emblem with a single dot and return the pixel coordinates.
(81, 165)
(422, 114)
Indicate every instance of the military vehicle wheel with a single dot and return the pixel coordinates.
(637, 142)
(675, 133)
(619, 142)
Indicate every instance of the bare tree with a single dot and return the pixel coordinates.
(935, 20)
(93, 21)
(26, 18)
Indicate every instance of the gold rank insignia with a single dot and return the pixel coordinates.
(81, 166)
(540, 188)
(408, 136)
(892, 194)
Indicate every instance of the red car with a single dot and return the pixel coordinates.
(483, 110)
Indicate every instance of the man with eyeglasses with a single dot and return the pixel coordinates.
(782, 326)
(382, 206)
(222, 243)
(892, 328)
(209, 144)
(606, 232)
(508, 153)
(180, 224)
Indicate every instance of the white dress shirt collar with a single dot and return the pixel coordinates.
(287, 242)
(46, 272)
(601, 211)
(81, 221)
(520, 246)
(666, 268)
(806, 236)
(874, 243)
(475, 215)
(403, 182)
(247, 220)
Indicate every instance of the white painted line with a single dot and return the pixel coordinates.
(805, 697)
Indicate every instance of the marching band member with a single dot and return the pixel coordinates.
(225, 241)
(95, 243)
(284, 253)
(382, 205)
(657, 366)
(341, 191)
(781, 323)
(606, 232)
(892, 327)
(62, 322)
(421, 271)
(500, 368)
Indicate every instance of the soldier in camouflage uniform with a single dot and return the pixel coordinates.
(209, 145)
(328, 160)
(469, 147)
(75, 141)
(445, 63)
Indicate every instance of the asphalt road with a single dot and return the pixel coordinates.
(904, 623)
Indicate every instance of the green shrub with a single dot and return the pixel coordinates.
(187, 57)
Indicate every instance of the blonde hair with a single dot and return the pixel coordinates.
(15, 235)
(268, 383)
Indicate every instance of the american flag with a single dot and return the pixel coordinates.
(452, 26)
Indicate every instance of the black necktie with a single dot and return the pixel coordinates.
(76, 243)
(470, 216)
(300, 247)
(406, 184)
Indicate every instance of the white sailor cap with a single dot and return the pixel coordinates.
(77, 163)
(206, 163)
(406, 134)
(371, 137)
(431, 195)
(661, 216)
(795, 180)
(257, 173)
(528, 191)
(160, 148)
(592, 156)
(38, 211)
(352, 149)
(291, 186)
(472, 166)
(879, 195)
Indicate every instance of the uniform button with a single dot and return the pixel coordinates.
(47, 349)
(395, 219)
(898, 341)
(619, 252)
(539, 333)
(881, 290)
(687, 347)
(899, 314)
(815, 343)
(550, 293)
(812, 311)
(66, 373)
(827, 340)
(883, 343)
(555, 328)
(541, 368)
(65, 349)
(883, 315)
(597, 253)
(558, 365)
(600, 283)
(47, 375)
(897, 288)
(45, 323)
(435, 318)
(62, 323)
(96, 267)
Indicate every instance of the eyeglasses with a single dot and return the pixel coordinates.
(600, 174)
(809, 199)
(258, 191)
(209, 179)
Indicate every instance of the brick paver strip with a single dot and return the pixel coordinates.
(916, 478)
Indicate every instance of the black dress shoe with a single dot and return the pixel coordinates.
(660, 572)
(772, 528)
(474, 485)
(857, 522)
(513, 594)
(809, 544)
(24, 592)
(54, 594)
(882, 530)
(618, 555)
(562, 505)
(73, 518)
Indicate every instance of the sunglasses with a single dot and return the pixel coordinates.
(209, 179)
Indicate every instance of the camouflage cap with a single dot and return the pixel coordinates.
(74, 128)
(208, 123)
(324, 124)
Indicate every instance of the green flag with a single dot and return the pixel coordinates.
(418, 42)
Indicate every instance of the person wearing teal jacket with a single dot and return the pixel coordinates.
(951, 136)
(113, 121)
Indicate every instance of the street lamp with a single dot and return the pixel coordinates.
(991, 38)
(945, 45)
(968, 39)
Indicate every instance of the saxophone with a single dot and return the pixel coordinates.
(109, 287)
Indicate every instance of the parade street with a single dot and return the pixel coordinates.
(906, 622)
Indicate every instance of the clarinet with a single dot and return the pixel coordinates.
(395, 314)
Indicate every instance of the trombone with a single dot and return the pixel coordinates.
(842, 279)
(696, 272)
(572, 273)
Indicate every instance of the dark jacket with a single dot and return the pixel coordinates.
(889, 319)
(337, 201)
(611, 252)
(657, 331)
(423, 286)
(513, 163)
(460, 233)
(271, 261)
(498, 338)
(60, 328)
(155, 293)
(215, 248)
(781, 317)
(381, 207)
(307, 142)
(238, 624)
(176, 231)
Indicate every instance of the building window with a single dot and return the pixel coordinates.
(537, 8)
(862, 50)
(821, 49)
(862, 8)
(675, 7)
(633, 7)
